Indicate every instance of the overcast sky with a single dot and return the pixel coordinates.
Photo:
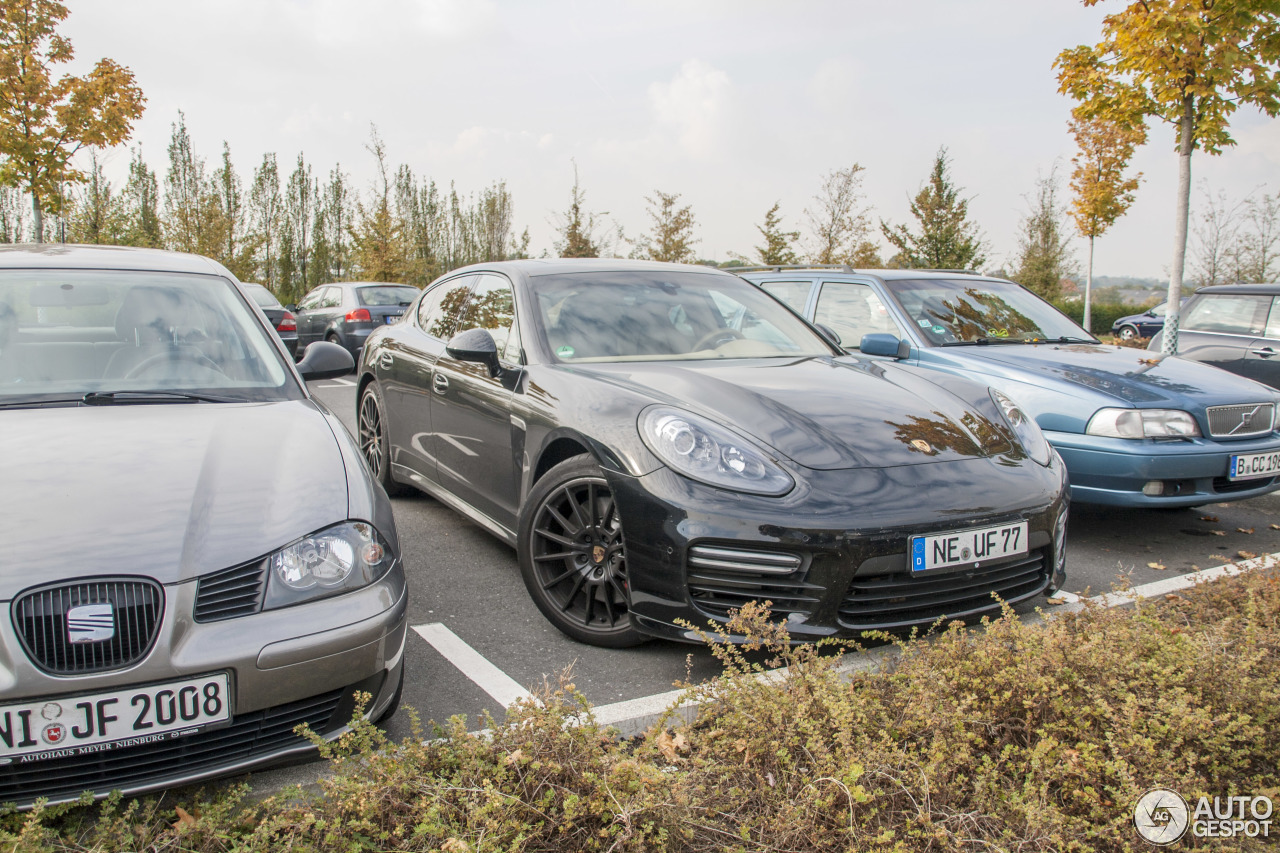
(735, 104)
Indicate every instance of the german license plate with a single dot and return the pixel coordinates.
(1250, 466)
(962, 547)
(391, 318)
(100, 722)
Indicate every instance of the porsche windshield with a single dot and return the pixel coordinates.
(954, 312)
(129, 336)
(664, 316)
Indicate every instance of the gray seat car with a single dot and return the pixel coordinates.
(196, 560)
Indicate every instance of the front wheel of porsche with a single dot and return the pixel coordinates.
(573, 555)
(374, 446)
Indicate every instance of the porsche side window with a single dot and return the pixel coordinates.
(492, 307)
(439, 306)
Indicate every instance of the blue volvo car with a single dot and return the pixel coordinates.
(1135, 429)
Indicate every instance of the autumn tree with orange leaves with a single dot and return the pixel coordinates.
(1190, 63)
(44, 121)
(1101, 192)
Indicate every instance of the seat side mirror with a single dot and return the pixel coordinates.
(325, 360)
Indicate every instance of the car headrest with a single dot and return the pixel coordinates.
(148, 315)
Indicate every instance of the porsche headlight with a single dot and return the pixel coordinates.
(1026, 429)
(337, 559)
(709, 453)
(1142, 423)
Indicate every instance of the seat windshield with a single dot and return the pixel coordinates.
(664, 316)
(956, 312)
(65, 334)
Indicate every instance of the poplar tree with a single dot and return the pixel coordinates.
(96, 213)
(839, 222)
(266, 212)
(947, 239)
(141, 200)
(44, 121)
(228, 209)
(186, 224)
(377, 239)
(1101, 192)
(1190, 63)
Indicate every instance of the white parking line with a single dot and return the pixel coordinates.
(502, 687)
(339, 383)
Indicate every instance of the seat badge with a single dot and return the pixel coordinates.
(91, 623)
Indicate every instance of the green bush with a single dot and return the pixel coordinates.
(1013, 737)
(1101, 315)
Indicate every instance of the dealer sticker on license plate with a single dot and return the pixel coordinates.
(961, 547)
(100, 722)
(1250, 466)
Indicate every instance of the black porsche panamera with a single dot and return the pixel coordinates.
(663, 443)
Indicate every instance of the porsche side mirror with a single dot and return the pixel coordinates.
(880, 343)
(832, 337)
(291, 307)
(325, 360)
(475, 345)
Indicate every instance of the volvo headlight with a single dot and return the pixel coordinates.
(709, 453)
(1027, 430)
(335, 560)
(1142, 423)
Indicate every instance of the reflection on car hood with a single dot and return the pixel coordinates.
(1132, 376)
(166, 491)
(820, 413)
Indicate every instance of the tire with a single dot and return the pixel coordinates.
(573, 558)
(371, 429)
(1127, 333)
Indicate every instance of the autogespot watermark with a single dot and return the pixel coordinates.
(1162, 817)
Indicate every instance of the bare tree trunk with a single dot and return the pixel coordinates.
(1088, 291)
(1169, 343)
(37, 218)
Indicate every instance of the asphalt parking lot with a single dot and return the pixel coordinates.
(479, 641)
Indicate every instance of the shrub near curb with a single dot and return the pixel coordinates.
(1019, 737)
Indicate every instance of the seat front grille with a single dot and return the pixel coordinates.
(91, 625)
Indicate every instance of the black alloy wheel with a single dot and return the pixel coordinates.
(374, 446)
(573, 556)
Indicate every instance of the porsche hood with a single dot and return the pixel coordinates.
(825, 414)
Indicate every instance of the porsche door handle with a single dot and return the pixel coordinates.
(1266, 352)
(385, 361)
(440, 383)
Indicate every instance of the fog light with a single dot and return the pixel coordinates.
(1153, 488)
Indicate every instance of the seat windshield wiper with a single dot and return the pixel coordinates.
(118, 398)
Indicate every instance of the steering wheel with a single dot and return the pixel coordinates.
(723, 335)
(160, 358)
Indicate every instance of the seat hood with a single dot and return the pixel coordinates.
(169, 491)
(821, 413)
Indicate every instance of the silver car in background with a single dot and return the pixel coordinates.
(196, 559)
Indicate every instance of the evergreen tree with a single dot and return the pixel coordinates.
(1044, 257)
(777, 243)
(377, 238)
(576, 226)
(946, 239)
(672, 237)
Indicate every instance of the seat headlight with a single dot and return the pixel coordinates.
(711, 454)
(335, 560)
(1024, 428)
(1142, 423)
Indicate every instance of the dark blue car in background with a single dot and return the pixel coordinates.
(1135, 428)
(1143, 325)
